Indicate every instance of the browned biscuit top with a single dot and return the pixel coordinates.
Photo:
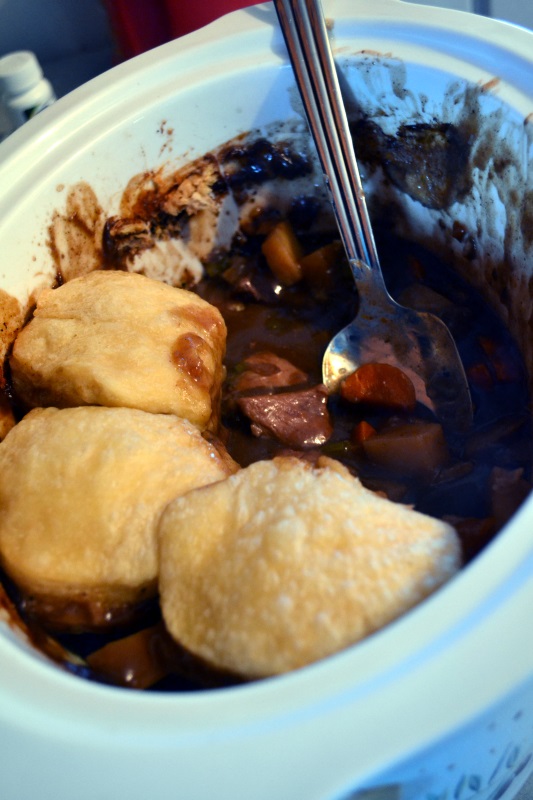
(282, 564)
(120, 339)
(81, 492)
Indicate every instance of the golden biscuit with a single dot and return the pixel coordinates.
(284, 563)
(81, 492)
(119, 339)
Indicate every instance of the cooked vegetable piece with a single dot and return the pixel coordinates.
(283, 253)
(317, 266)
(137, 660)
(362, 431)
(417, 448)
(382, 385)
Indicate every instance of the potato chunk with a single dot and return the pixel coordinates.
(119, 339)
(284, 563)
(283, 252)
(414, 448)
(81, 492)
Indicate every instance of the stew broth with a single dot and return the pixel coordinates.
(483, 474)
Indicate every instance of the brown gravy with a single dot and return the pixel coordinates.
(484, 480)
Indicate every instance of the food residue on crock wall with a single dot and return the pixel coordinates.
(488, 147)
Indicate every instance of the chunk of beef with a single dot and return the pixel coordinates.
(297, 419)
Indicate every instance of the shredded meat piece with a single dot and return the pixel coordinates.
(124, 237)
(194, 193)
(247, 280)
(297, 419)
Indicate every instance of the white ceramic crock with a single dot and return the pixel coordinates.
(438, 705)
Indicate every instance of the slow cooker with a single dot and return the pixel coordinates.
(438, 704)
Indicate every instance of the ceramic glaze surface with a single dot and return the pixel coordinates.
(439, 705)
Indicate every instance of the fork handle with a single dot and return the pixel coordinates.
(305, 33)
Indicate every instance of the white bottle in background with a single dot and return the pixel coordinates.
(23, 89)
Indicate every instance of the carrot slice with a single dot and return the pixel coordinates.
(380, 385)
(417, 448)
(283, 252)
(362, 431)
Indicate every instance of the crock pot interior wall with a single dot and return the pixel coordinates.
(495, 249)
(107, 151)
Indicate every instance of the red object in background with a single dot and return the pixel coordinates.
(139, 25)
